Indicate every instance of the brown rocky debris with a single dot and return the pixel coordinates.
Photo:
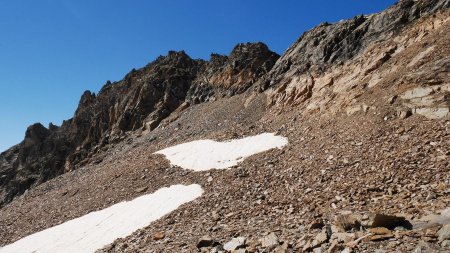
(364, 105)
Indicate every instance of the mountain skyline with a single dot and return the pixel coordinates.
(338, 143)
(55, 51)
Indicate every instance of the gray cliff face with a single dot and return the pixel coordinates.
(333, 44)
(334, 67)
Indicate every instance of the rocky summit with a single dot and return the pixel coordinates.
(364, 104)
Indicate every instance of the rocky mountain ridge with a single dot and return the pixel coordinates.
(333, 65)
(364, 104)
(139, 102)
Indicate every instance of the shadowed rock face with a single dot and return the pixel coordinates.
(140, 101)
(38, 158)
(229, 75)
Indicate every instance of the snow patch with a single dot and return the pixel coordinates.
(204, 155)
(98, 229)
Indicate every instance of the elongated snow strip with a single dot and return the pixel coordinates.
(98, 229)
(203, 155)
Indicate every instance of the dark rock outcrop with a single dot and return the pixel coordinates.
(226, 76)
(38, 158)
(333, 44)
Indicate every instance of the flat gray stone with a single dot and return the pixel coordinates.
(235, 243)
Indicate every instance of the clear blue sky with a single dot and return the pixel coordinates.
(53, 50)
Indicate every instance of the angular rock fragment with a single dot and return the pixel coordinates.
(159, 236)
(235, 243)
(349, 221)
(444, 233)
(270, 240)
(206, 241)
(374, 220)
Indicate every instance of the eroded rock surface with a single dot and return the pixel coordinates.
(401, 52)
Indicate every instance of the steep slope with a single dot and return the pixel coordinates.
(333, 65)
(139, 102)
(364, 104)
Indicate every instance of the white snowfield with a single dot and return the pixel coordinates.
(98, 229)
(95, 230)
(204, 155)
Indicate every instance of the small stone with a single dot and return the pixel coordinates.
(235, 243)
(380, 234)
(444, 233)
(317, 250)
(377, 238)
(283, 248)
(334, 247)
(422, 247)
(354, 243)
(141, 189)
(270, 240)
(431, 230)
(159, 236)
(430, 196)
(379, 231)
(216, 249)
(347, 250)
(206, 241)
(387, 221)
(392, 99)
(404, 114)
(400, 228)
(446, 212)
(317, 224)
(320, 238)
(252, 246)
(401, 130)
(207, 250)
(301, 242)
(349, 221)
(215, 216)
(445, 243)
(307, 246)
(343, 237)
(365, 108)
